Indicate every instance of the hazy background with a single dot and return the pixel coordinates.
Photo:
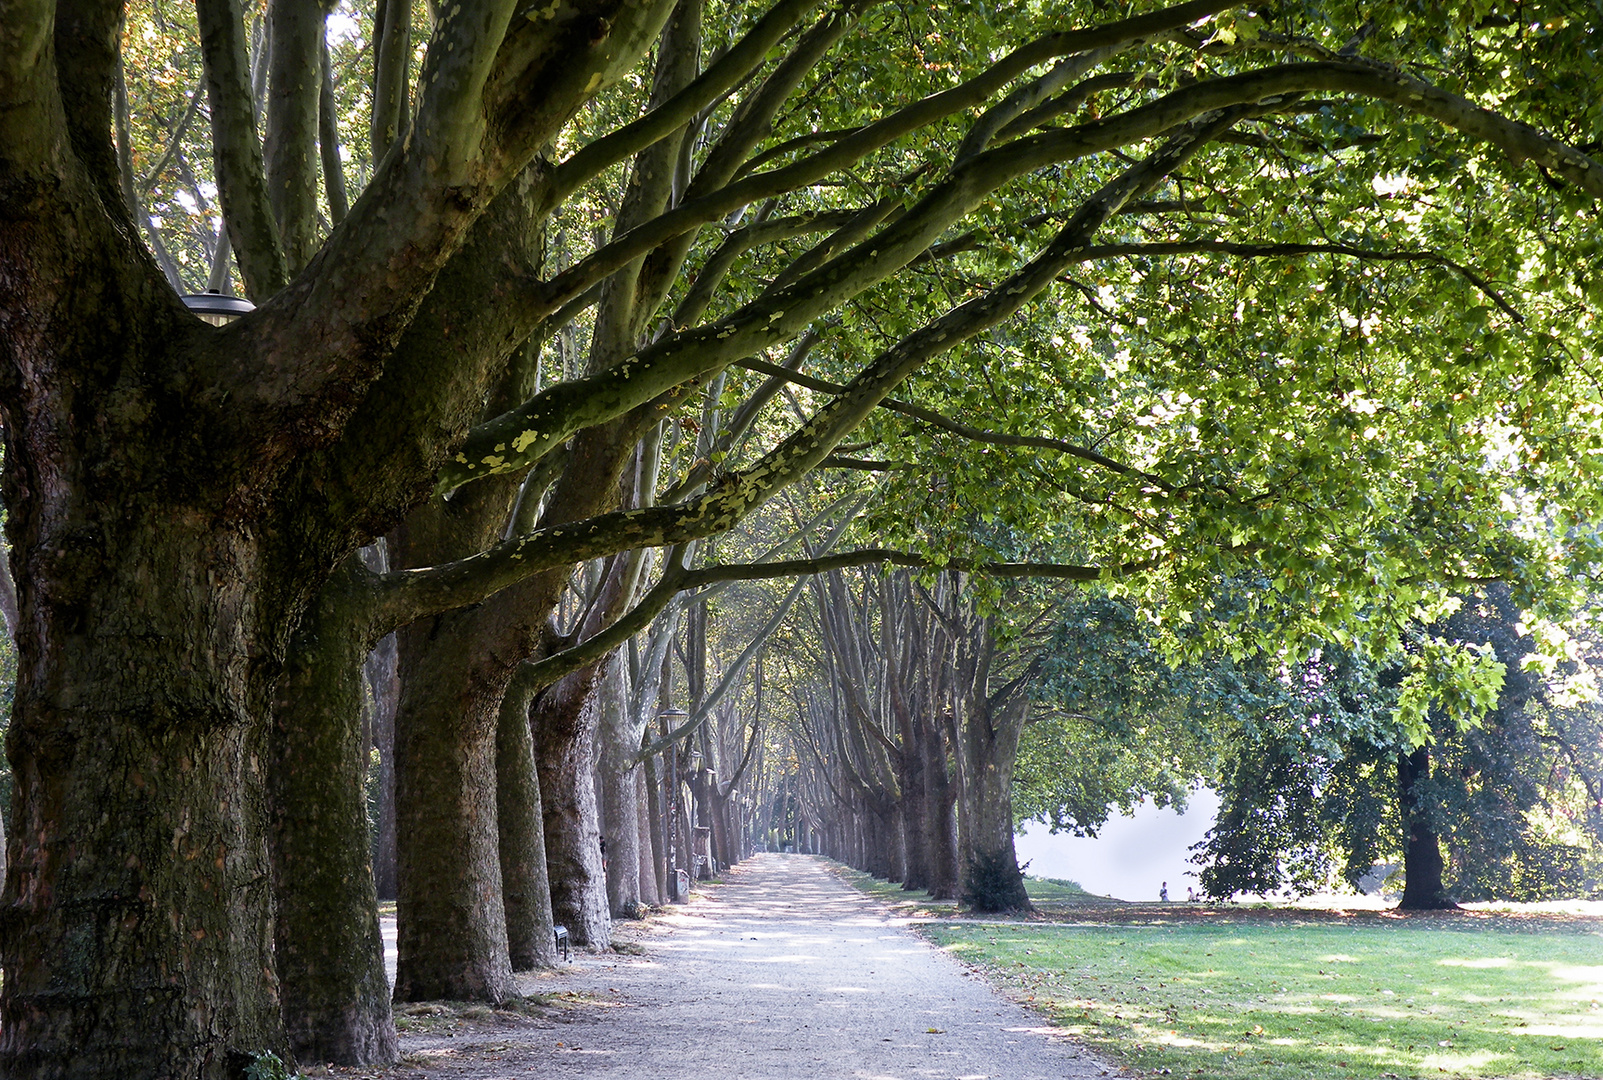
(1130, 856)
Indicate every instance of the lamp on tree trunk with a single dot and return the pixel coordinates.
(219, 310)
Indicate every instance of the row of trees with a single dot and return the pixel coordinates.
(535, 289)
(1090, 708)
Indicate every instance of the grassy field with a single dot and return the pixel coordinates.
(1049, 893)
(1283, 995)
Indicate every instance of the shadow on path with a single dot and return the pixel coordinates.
(783, 971)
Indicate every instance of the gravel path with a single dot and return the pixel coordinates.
(782, 972)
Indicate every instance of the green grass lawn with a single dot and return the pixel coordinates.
(1277, 999)
(916, 903)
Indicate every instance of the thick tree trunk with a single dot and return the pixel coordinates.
(564, 742)
(992, 880)
(336, 999)
(526, 889)
(941, 807)
(650, 894)
(919, 870)
(452, 936)
(1423, 889)
(138, 932)
(619, 739)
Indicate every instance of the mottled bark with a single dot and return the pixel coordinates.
(989, 731)
(941, 808)
(992, 879)
(525, 886)
(650, 894)
(910, 765)
(336, 998)
(451, 923)
(392, 60)
(294, 89)
(564, 740)
(137, 904)
(619, 740)
(657, 821)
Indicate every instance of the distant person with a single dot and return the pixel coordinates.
(1191, 895)
(1163, 893)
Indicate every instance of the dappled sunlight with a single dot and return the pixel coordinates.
(1478, 1061)
(807, 971)
(1484, 962)
(1591, 974)
(1592, 1030)
(1517, 999)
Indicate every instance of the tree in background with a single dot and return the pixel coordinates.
(1500, 805)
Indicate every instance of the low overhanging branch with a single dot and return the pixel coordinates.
(517, 438)
(737, 495)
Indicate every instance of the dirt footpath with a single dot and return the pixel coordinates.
(781, 972)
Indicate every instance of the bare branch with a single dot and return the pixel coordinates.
(177, 139)
(328, 138)
(392, 62)
(241, 177)
(680, 109)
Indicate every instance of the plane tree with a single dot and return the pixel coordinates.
(179, 493)
(1494, 799)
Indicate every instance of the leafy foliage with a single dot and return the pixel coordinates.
(1316, 795)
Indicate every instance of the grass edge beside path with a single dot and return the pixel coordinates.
(1288, 994)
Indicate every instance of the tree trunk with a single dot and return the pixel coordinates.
(620, 740)
(992, 880)
(138, 932)
(941, 806)
(526, 890)
(452, 936)
(918, 872)
(336, 998)
(657, 823)
(1423, 866)
(650, 894)
(564, 742)
(383, 676)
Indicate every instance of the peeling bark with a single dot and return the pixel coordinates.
(520, 816)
